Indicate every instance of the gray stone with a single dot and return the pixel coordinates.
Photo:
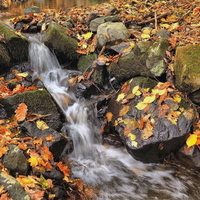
(32, 9)
(163, 33)
(15, 160)
(4, 59)
(111, 32)
(94, 24)
(14, 189)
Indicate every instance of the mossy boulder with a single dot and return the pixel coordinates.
(187, 68)
(146, 59)
(39, 102)
(152, 119)
(16, 45)
(63, 45)
(4, 59)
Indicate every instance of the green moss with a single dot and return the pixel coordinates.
(7, 33)
(86, 61)
(4, 58)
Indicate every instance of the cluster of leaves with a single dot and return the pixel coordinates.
(38, 154)
(146, 97)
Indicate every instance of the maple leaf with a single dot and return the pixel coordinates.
(21, 112)
(63, 168)
(34, 161)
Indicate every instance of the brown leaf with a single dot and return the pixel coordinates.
(124, 110)
(21, 112)
(109, 116)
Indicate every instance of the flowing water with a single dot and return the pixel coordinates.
(112, 171)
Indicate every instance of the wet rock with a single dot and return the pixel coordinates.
(32, 9)
(16, 45)
(146, 59)
(152, 132)
(4, 59)
(111, 32)
(186, 68)
(15, 160)
(189, 157)
(39, 102)
(94, 24)
(63, 45)
(14, 189)
(86, 61)
(53, 174)
(57, 147)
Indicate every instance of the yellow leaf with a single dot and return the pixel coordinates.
(173, 26)
(192, 139)
(159, 92)
(141, 105)
(33, 161)
(109, 116)
(41, 125)
(120, 96)
(87, 35)
(132, 136)
(131, 123)
(149, 99)
(134, 143)
(135, 89)
(177, 98)
(165, 25)
(145, 36)
(22, 74)
(147, 31)
(124, 110)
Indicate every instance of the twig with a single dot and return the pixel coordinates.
(156, 21)
(153, 19)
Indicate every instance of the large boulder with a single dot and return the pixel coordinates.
(152, 119)
(111, 32)
(63, 45)
(16, 45)
(186, 68)
(4, 59)
(146, 59)
(37, 101)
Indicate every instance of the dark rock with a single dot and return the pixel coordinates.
(14, 189)
(111, 32)
(94, 24)
(85, 62)
(53, 174)
(4, 59)
(63, 45)
(39, 102)
(91, 17)
(154, 131)
(189, 157)
(15, 160)
(186, 68)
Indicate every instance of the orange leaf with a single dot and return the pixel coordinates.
(63, 168)
(21, 112)
(109, 116)
(124, 110)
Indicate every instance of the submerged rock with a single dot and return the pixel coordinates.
(186, 68)
(152, 119)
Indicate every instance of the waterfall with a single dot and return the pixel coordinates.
(112, 171)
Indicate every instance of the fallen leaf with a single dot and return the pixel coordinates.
(63, 168)
(141, 106)
(21, 112)
(124, 110)
(120, 97)
(109, 116)
(191, 140)
(41, 125)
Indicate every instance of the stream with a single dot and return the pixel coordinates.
(112, 171)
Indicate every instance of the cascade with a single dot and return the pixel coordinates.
(112, 171)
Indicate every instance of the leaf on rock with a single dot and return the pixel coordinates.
(124, 110)
(34, 161)
(63, 168)
(41, 125)
(134, 143)
(192, 139)
(109, 116)
(120, 96)
(141, 106)
(21, 112)
(149, 99)
(87, 36)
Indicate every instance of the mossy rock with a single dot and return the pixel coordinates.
(187, 68)
(16, 45)
(39, 102)
(63, 45)
(86, 61)
(4, 59)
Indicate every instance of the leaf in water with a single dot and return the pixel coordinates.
(109, 116)
(41, 125)
(124, 110)
(21, 112)
(192, 139)
(120, 96)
